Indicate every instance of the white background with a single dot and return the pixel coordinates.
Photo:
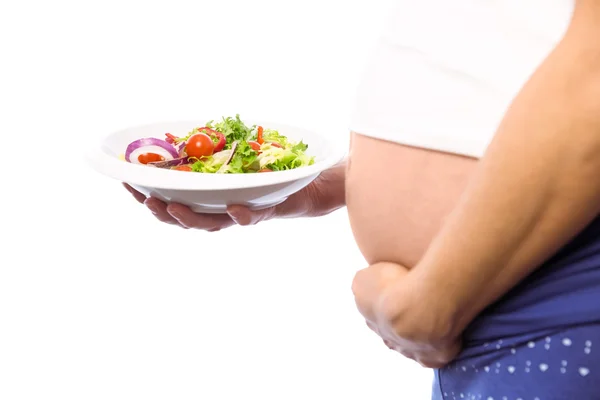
(98, 300)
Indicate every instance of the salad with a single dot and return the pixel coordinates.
(228, 146)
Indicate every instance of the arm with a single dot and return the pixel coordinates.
(537, 186)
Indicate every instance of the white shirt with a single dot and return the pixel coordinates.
(444, 71)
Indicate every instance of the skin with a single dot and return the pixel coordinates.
(423, 226)
(394, 215)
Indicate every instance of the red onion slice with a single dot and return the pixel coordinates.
(169, 163)
(233, 149)
(150, 145)
(180, 147)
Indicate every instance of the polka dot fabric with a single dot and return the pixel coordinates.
(557, 366)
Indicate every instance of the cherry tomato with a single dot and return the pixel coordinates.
(255, 146)
(259, 135)
(216, 135)
(265, 170)
(150, 157)
(184, 167)
(200, 145)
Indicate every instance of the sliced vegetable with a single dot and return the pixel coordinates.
(272, 136)
(212, 164)
(233, 149)
(259, 135)
(147, 158)
(185, 167)
(180, 147)
(280, 159)
(144, 146)
(169, 163)
(255, 145)
(170, 138)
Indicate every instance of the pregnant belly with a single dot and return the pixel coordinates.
(398, 196)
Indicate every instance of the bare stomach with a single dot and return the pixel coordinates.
(398, 196)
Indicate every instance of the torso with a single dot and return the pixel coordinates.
(397, 196)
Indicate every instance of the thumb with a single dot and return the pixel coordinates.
(242, 215)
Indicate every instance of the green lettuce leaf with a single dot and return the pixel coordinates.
(281, 159)
(233, 129)
(243, 160)
(211, 164)
(270, 135)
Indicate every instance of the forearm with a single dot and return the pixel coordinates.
(537, 186)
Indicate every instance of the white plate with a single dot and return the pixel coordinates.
(211, 193)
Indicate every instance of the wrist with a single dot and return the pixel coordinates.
(322, 196)
(429, 313)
